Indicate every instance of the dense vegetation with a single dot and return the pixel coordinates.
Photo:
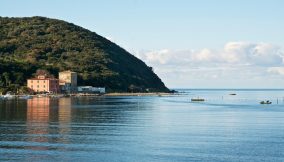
(28, 44)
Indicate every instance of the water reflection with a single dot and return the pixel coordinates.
(12, 110)
(64, 119)
(140, 129)
(61, 129)
(48, 116)
(38, 112)
(64, 111)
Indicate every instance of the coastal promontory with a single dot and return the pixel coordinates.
(32, 43)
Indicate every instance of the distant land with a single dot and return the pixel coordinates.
(31, 43)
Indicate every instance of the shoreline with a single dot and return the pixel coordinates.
(114, 94)
(139, 94)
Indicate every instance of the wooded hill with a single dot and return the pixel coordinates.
(28, 44)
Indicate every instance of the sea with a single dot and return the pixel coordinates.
(230, 125)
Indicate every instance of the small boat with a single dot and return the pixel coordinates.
(41, 95)
(57, 96)
(25, 97)
(197, 100)
(8, 96)
(266, 102)
(232, 94)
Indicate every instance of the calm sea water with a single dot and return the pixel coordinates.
(223, 128)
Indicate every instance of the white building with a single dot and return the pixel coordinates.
(90, 89)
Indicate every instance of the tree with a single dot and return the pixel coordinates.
(25, 90)
(43, 72)
(7, 78)
(19, 78)
(2, 82)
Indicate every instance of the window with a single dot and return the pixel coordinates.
(37, 86)
(38, 81)
(43, 86)
(31, 81)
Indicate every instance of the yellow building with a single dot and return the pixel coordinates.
(68, 81)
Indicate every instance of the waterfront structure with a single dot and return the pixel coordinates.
(43, 84)
(90, 89)
(68, 81)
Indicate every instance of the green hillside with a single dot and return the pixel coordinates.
(28, 44)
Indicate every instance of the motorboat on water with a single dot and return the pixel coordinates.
(266, 102)
(197, 100)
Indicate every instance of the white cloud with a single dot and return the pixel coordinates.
(205, 55)
(243, 53)
(237, 62)
(161, 57)
(262, 54)
(276, 70)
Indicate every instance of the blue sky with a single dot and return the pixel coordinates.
(219, 39)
